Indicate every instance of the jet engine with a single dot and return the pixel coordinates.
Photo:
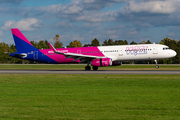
(105, 62)
(101, 62)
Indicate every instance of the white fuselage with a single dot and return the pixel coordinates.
(137, 52)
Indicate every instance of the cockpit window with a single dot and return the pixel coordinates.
(166, 48)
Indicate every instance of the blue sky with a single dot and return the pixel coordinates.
(84, 20)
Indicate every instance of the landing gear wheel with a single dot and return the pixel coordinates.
(95, 68)
(87, 68)
(157, 66)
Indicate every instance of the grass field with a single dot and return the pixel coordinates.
(36, 96)
(82, 67)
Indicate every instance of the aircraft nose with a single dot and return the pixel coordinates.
(174, 53)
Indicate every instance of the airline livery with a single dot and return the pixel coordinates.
(94, 56)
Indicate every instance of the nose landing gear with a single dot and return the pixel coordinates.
(156, 64)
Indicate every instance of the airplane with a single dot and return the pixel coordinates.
(100, 56)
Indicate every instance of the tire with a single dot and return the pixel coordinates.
(87, 68)
(95, 68)
(157, 67)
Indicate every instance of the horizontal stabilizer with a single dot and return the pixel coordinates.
(23, 55)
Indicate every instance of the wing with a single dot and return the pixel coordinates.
(81, 57)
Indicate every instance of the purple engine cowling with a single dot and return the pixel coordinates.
(101, 62)
(104, 62)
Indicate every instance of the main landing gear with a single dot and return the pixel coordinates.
(156, 64)
(95, 68)
(89, 68)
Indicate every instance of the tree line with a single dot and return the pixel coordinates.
(43, 44)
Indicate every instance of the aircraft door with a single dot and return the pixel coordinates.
(120, 52)
(35, 54)
(79, 51)
(155, 49)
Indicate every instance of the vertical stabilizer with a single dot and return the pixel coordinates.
(21, 42)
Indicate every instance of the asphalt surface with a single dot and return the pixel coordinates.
(140, 72)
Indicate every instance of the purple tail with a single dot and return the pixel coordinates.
(21, 42)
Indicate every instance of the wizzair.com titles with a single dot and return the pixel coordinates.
(61, 51)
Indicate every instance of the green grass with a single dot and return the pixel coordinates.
(54, 96)
(82, 67)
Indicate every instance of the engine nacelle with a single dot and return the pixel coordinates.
(116, 63)
(101, 62)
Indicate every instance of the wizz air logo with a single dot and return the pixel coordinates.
(136, 50)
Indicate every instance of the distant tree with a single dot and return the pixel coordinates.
(75, 43)
(125, 42)
(145, 42)
(13, 59)
(46, 46)
(35, 44)
(109, 42)
(2, 53)
(43, 44)
(120, 42)
(105, 43)
(167, 41)
(116, 42)
(57, 43)
(148, 42)
(178, 51)
(13, 48)
(133, 43)
(142, 42)
(86, 45)
(173, 44)
(95, 42)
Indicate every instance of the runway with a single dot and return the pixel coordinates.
(140, 72)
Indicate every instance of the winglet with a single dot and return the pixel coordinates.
(54, 49)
